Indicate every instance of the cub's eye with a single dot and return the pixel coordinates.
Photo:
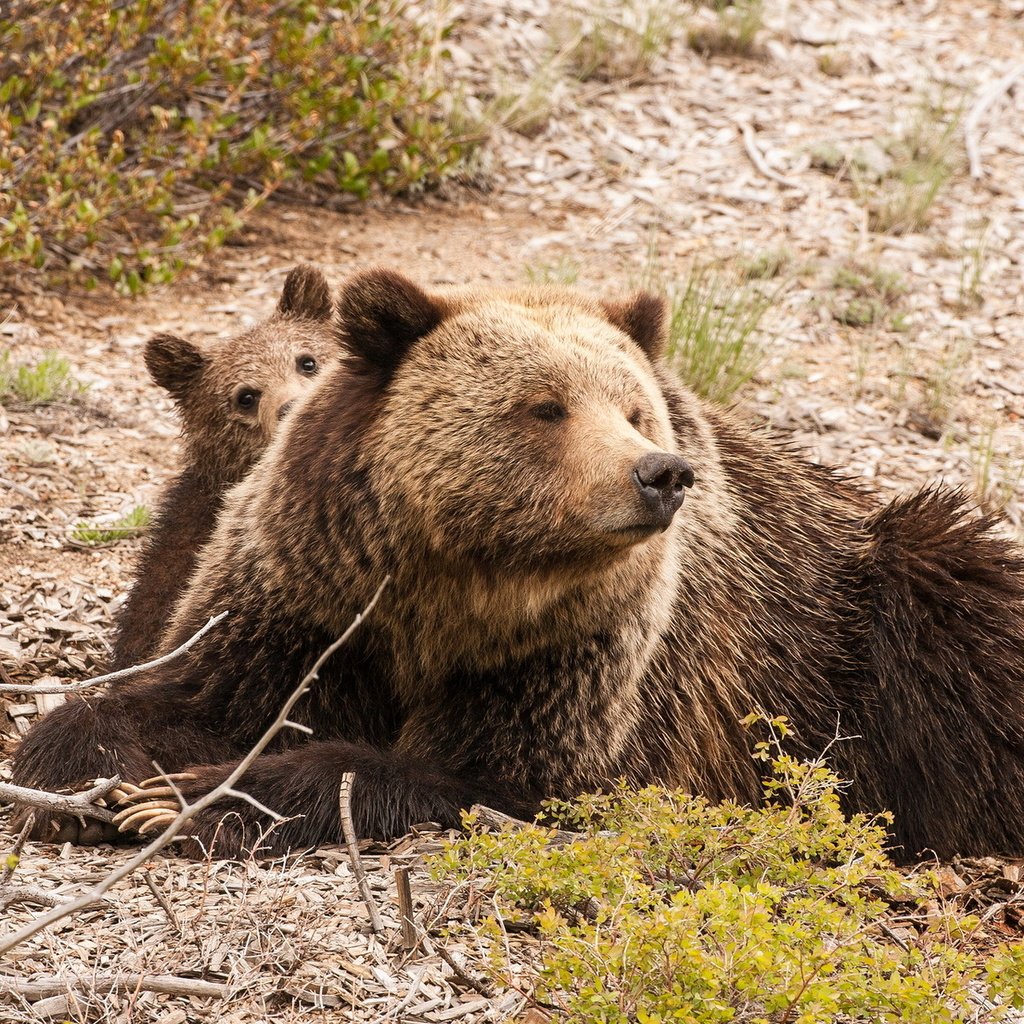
(549, 412)
(247, 399)
(635, 419)
(306, 364)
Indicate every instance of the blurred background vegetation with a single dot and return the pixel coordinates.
(135, 135)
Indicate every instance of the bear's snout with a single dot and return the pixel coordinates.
(661, 479)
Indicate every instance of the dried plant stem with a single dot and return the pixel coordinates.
(348, 830)
(984, 101)
(189, 811)
(124, 673)
(11, 861)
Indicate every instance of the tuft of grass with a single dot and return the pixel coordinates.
(767, 265)
(565, 271)
(612, 40)
(997, 482)
(525, 107)
(732, 32)
(663, 906)
(972, 270)
(867, 296)
(713, 332)
(136, 136)
(131, 524)
(923, 160)
(941, 385)
(41, 383)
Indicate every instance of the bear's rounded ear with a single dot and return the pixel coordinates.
(306, 294)
(381, 313)
(642, 316)
(174, 363)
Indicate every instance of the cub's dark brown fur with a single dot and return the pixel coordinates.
(515, 462)
(231, 398)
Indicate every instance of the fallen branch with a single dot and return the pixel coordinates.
(189, 811)
(12, 895)
(758, 160)
(973, 119)
(348, 831)
(123, 673)
(78, 805)
(167, 984)
(25, 492)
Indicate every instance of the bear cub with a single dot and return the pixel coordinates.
(231, 398)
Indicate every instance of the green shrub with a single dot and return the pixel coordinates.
(668, 908)
(42, 383)
(134, 135)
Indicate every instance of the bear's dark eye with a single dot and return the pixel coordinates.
(306, 364)
(635, 419)
(247, 399)
(549, 412)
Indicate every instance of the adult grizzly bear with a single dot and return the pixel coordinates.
(231, 397)
(516, 461)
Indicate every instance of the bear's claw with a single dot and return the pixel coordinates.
(151, 805)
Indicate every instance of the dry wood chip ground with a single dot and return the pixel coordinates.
(707, 159)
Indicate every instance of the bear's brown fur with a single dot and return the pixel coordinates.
(550, 625)
(272, 363)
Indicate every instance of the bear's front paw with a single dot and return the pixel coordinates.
(152, 805)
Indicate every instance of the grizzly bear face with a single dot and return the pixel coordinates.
(232, 396)
(519, 430)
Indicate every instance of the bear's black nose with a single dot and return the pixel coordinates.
(661, 479)
(285, 409)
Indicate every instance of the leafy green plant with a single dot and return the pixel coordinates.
(665, 907)
(713, 331)
(41, 383)
(129, 525)
(134, 136)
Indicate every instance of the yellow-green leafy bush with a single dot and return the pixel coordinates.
(669, 908)
(133, 135)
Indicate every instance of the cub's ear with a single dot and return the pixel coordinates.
(174, 363)
(381, 314)
(306, 294)
(642, 316)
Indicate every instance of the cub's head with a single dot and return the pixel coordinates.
(515, 430)
(232, 395)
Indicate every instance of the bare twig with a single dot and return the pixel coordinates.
(25, 492)
(29, 688)
(15, 894)
(165, 983)
(348, 830)
(87, 899)
(973, 119)
(162, 900)
(80, 805)
(12, 859)
(758, 160)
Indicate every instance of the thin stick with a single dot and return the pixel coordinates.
(405, 909)
(984, 101)
(13, 858)
(123, 673)
(87, 899)
(162, 900)
(167, 984)
(15, 894)
(758, 160)
(348, 831)
(80, 805)
(21, 489)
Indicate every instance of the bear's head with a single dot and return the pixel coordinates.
(232, 395)
(513, 431)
